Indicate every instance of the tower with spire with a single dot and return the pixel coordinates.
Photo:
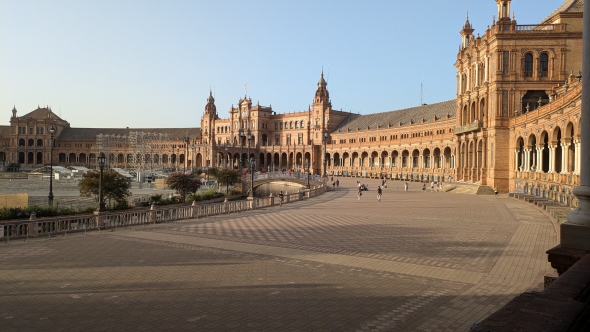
(466, 33)
(321, 108)
(208, 120)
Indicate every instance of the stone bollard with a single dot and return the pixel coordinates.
(272, 199)
(194, 209)
(33, 216)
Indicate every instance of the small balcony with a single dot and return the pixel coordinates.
(475, 126)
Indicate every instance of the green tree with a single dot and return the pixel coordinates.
(115, 186)
(228, 176)
(184, 184)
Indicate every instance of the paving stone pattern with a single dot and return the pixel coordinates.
(413, 262)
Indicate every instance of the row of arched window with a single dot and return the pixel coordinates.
(290, 125)
(30, 142)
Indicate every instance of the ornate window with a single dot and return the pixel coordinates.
(528, 65)
(544, 65)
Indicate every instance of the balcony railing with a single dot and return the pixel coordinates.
(535, 27)
(475, 126)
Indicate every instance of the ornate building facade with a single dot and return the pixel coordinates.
(514, 123)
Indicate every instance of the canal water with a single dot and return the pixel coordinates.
(264, 190)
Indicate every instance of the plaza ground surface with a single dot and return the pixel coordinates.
(413, 261)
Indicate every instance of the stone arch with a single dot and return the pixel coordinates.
(39, 158)
(544, 144)
(364, 160)
(405, 158)
(72, 158)
(82, 158)
(473, 113)
(346, 159)
(374, 159)
(415, 158)
(394, 158)
(384, 161)
(39, 142)
(31, 142)
(337, 161)
(426, 161)
(21, 156)
(437, 158)
(30, 158)
(355, 160)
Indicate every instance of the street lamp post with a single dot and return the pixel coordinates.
(186, 141)
(101, 204)
(325, 160)
(308, 174)
(242, 135)
(50, 196)
(226, 184)
(249, 138)
(252, 162)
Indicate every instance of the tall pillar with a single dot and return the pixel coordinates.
(551, 159)
(575, 232)
(516, 153)
(526, 160)
(564, 158)
(577, 157)
(539, 166)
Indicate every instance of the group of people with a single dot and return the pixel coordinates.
(335, 184)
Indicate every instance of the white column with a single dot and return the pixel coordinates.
(539, 164)
(516, 152)
(564, 158)
(477, 75)
(526, 160)
(551, 159)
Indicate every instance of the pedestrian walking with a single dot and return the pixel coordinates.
(333, 184)
(431, 186)
(424, 186)
(281, 198)
(496, 192)
(406, 186)
(337, 182)
(379, 193)
(359, 193)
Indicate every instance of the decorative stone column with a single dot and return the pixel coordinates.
(575, 232)
(564, 158)
(551, 159)
(516, 153)
(526, 160)
(539, 167)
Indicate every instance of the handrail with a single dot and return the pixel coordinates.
(26, 229)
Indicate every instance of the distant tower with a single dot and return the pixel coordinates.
(466, 33)
(321, 109)
(14, 111)
(208, 120)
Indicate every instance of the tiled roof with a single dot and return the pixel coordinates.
(569, 6)
(405, 116)
(91, 133)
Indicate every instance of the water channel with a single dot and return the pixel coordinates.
(265, 189)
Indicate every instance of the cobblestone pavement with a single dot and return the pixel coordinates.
(415, 261)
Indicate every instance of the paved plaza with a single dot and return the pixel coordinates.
(415, 261)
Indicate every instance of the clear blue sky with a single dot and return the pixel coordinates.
(150, 63)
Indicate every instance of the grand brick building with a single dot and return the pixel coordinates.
(514, 123)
